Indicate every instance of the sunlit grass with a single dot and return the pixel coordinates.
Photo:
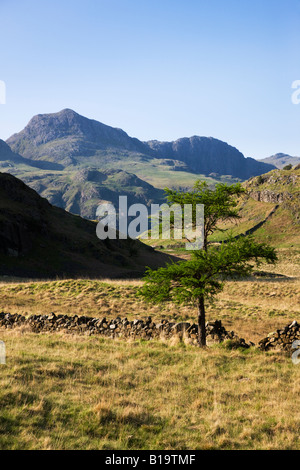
(62, 392)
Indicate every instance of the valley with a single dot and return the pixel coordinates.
(73, 386)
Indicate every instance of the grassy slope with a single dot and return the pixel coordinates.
(245, 306)
(277, 224)
(162, 175)
(282, 229)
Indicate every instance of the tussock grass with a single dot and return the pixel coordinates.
(252, 307)
(61, 392)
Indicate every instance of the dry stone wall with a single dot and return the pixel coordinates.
(121, 328)
(281, 339)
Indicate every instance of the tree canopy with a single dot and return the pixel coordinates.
(220, 203)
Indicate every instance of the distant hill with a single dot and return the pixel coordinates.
(38, 240)
(68, 139)
(280, 160)
(79, 190)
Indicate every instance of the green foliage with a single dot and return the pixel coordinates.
(260, 179)
(204, 274)
(288, 167)
(220, 203)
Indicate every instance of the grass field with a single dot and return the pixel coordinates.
(61, 391)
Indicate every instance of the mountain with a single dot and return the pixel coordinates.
(280, 160)
(68, 139)
(62, 136)
(208, 155)
(39, 240)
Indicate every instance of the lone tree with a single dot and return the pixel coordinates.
(200, 279)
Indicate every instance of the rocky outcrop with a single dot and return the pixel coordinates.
(121, 328)
(276, 187)
(271, 196)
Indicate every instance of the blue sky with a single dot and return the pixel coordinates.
(157, 69)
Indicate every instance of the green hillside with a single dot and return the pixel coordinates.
(270, 209)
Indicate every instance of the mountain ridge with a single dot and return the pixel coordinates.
(67, 138)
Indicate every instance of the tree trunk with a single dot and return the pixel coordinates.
(201, 323)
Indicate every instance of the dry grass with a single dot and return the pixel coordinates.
(84, 393)
(252, 308)
(61, 392)
(77, 392)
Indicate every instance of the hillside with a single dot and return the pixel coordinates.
(270, 209)
(40, 240)
(10, 159)
(68, 139)
(81, 191)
